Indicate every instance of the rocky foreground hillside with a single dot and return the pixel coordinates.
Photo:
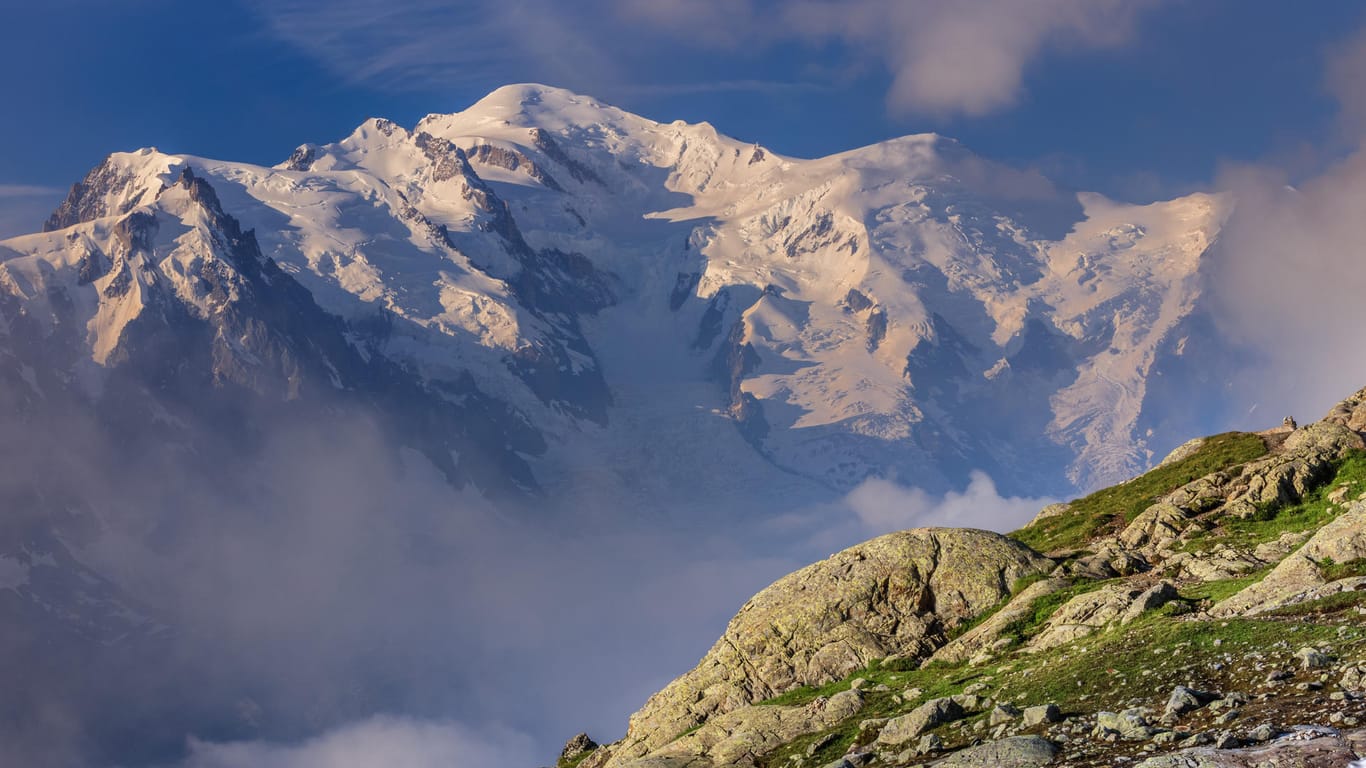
(1208, 613)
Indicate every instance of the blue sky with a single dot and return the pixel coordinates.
(1134, 98)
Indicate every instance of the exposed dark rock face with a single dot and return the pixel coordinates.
(939, 362)
(735, 360)
(551, 148)
(87, 198)
(302, 158)
(877, 328)
(513, 160)
(712, 319)
(684, 287)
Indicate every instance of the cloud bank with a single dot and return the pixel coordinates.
(963, 58)
(883, 506)
(1288, 276)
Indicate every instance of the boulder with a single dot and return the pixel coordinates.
(915, 723)
(894, 596)
(1184, 699)
(1002, 713)
(1043, 713)
(1350, 413)
(984, 636)
(1013, 752)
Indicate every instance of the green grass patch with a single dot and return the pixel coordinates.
(935, 681)
(1333, 571)
(1104, 671)
(574, 762)
(1312, 513)
(1111, 664)
(1117, 505)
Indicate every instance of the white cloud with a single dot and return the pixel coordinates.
(1287, 279)
(382, 741)
(883, 506)
(967, 57)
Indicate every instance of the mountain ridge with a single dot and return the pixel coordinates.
(870, 302)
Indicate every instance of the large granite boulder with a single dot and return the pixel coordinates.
(898, 595)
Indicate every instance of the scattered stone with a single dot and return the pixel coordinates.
(1043, 713)
(1312, 658)
(929, 744)
(1129, 725)
(1184, 699)
(931, 714)
(1263, 733)
(1002, 713)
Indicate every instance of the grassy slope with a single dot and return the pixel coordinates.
(1120, 668)
(1092, 515)
(1138, 664)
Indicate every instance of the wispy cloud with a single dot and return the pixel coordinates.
(24, 207)
(883, 506)
(435, 44)
(962, 58)
(726, 86)
(25, 190)
(966, 57)
(375, 742)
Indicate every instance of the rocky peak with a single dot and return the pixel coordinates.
(120, 183)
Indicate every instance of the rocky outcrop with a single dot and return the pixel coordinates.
(986, 636)
(1094, 611)
(895, 596)
(1300, 576)
(739, 738)
(1351, 412)
(1302, 463)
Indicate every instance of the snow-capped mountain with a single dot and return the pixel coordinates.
(589, 275)
(561, 306)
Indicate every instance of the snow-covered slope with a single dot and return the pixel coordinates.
(906, 309)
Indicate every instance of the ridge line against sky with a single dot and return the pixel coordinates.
(1137, 100)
